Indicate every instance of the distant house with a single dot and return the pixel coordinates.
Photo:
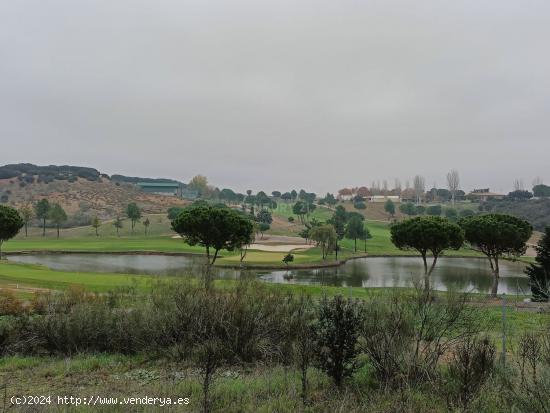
(345, 194)
(383, 198)
(161, 188)
(484, 195)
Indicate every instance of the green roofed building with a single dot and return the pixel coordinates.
(161, 188)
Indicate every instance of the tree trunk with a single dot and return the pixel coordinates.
(26, 234)
(496, 275)
(355, 244)
(206, 385)
(1, 242)
(207, 270)
(44, 227)
(426, 274)
(58, 232)
(433, 265)
(207, 278)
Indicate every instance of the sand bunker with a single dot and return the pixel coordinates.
(280, 248)
(273, 244)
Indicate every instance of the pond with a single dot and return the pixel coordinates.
(462, 274)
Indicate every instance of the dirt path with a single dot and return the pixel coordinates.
(17, 288)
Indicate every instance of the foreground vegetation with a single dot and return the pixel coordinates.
(243, 346)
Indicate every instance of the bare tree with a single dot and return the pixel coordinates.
(453, 183)
(397, 186)
(419, 187)
(537, 181)
(385, 186)
(518, 185)
(373, 189)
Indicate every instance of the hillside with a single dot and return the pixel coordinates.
(536, 211)
(82, 192)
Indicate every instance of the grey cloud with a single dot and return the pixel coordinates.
(279, 94)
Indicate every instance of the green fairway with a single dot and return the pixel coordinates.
(102, 244)
(285, 210)
(83, 239)
(15, 276)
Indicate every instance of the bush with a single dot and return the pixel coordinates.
(9, 304)
(337, 331)
(290, 219)
(387, 337)
(173, 212)
(473, 363)
(359, 205)
(288, 258)
(451, 214)
(434, 210)
(408, 208)
(466, 213)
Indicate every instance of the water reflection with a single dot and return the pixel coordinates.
(463, 274)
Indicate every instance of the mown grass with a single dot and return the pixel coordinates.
(160, 240)
(37, 276)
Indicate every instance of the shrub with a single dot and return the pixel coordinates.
(420, 209)
(472, 364)
(408, 208)
(359, 205)
(386, 338)
(290, 219)
(466, 213)
(9, 304)
(451, 214)
(288, 258)
(434, 210)
(173, 212)
(337, 331)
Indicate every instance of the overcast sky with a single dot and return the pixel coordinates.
(280, 94)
